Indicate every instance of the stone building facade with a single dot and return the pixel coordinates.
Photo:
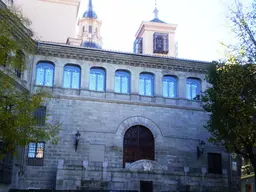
(129, 121)
(104, 117)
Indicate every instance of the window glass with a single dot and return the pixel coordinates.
(44, 74)
(67, 79)
(122, 81)
(75, 80)
(146, 84)
(141, 86)
(100, 82)
(169, 86)
(97, 79)
(125, 84)
(117, 84)
(32, 150)
(214, 163)
(193, 89)
(35, 154)
(40, 76)
(92, 81)
(71, 77)
(40, 150)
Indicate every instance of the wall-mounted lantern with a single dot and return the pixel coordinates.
(77, 139)
(200, 149)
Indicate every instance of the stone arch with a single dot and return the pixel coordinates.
(138, 120)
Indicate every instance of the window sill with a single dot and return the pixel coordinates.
(97, 91)
(71, 88)
(122, 93)
(176, 98)
(147, 96)
(44, 86)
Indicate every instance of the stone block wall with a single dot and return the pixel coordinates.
(176, 133)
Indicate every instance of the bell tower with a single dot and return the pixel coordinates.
(89, 28)
(156, 37)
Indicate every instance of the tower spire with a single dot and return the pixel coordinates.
(156, 10)
(90, 5)
(89, 13)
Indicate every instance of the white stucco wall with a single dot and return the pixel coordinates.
(52, 20)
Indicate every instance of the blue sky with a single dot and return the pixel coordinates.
(202, 24)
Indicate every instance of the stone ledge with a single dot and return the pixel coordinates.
(87, 95)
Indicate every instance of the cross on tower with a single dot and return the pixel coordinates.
(156, 10)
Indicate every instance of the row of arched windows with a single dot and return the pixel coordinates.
(72, 78)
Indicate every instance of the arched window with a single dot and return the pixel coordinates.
(122, 81)
(169, 86)
(97, 79)
(90, 29)
(45, 73)
(138, 144)
(147, 84)
(71, 77)
(193, 89)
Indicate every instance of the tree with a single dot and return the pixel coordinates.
(231, 99)
(18, 125)
(243, 25)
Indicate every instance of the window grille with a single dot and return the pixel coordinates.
(161, 43)
(35, 154)
(40, 116)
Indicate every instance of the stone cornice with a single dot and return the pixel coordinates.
(120, 58)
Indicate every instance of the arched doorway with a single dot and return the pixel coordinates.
(138, 144)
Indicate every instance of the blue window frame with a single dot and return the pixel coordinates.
(169, 86)
(122, 81)
(45, 74)
(71, 77)
(97, 79)
(193, 89)
(146, 84)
